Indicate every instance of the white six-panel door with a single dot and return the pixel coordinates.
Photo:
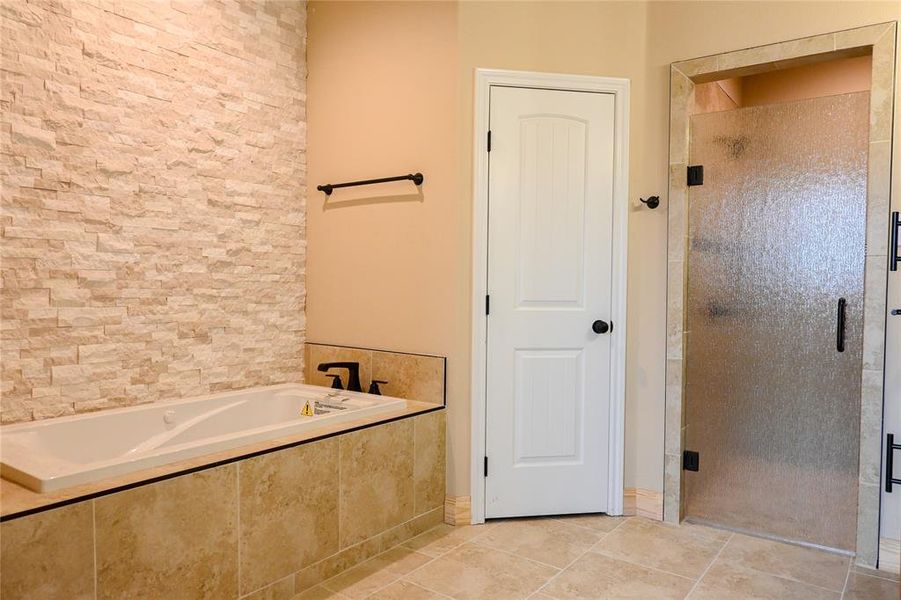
(550, 252)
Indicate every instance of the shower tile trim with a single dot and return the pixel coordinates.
(880, 39)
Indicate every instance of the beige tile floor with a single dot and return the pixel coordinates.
(601, 557)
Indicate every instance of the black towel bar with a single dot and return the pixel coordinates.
(416, 178)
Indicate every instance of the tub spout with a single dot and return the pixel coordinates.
(353, 373)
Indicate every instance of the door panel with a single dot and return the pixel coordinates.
(776, 238)
(550, 402)
(549, 278)
(551, 233)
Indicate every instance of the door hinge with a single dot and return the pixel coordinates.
(486, 466)
(487, 304)
(489, 140)
(691, 461)
(696, 175)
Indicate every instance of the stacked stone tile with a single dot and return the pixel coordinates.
(153, 181)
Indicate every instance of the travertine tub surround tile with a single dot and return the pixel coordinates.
(411, 376)
(49, 555)
(597, 576)
(376, 474)
(319, 353)
(180, 537)
(474, 572)
(289, 511)
(419, 377)
(280, 590)
(429, 439)
(177, 538)
(815, 567)
(15, 498)
(728, 580)
(153, 201)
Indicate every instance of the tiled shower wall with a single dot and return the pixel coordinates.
(153, 164)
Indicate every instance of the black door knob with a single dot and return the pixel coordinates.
(600, 326)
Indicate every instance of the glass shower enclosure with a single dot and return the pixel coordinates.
(774, 314)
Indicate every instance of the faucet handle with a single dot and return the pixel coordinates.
(336, 381)
(374, 386)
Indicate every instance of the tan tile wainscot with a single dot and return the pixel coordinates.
(285, 514)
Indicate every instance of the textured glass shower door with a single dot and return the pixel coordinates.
(776, 239)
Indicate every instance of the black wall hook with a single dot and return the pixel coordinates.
(652, 202)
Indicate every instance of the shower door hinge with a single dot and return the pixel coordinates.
(691, 461)
(489, 140)
(486, 466)
(696, 175)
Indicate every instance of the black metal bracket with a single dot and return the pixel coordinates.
(652, 201)
(695, 175)
(890, 447)
(840, 325)
(894, 258)
(328, 188)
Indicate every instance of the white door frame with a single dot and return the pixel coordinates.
(485, 78)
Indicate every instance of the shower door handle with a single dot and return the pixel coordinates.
(840, 326)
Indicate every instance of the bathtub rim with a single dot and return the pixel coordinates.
(34, 502)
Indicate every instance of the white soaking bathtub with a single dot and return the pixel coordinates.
(63, 452)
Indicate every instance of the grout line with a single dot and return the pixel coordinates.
(604, 534)
(715, 558)
(509, 553)
(643, 566)
(847, 579)
(789, 577)
(238, 520)
(94, 540)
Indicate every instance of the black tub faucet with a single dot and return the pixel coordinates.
(353, 373)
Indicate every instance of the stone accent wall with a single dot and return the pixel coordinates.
(153, 164)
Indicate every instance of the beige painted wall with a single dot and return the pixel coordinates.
(153, 201)
(586, 38)
(385, 268)
(402, 279)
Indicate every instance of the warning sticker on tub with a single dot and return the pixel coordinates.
(307, 410)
